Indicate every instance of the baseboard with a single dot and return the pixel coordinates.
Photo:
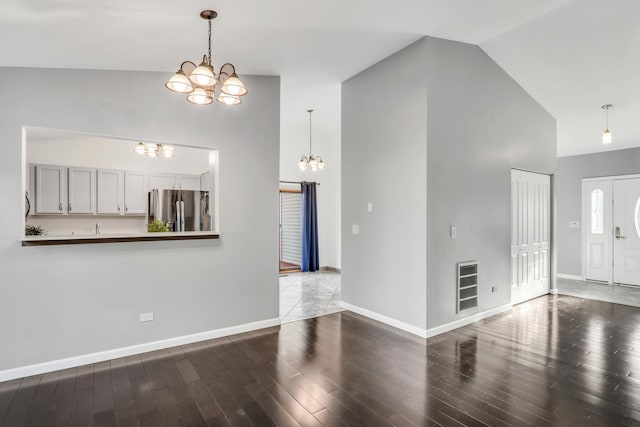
(467, 320)
(385, 319)
(72, 362)
(553, 291)
(327, 268)
(569, 276)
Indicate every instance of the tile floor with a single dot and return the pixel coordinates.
(618, 294)
(305, 295)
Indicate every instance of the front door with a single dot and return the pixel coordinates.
(530, 235)
(626, 231)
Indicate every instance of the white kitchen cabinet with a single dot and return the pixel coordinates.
(110, 192)
(205, 182)
(82, 191)
(188, 182)
(162, 181)
(135, 193)
(51, 189)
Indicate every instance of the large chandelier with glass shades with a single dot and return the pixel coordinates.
(200, 82)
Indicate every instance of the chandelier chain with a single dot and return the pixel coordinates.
(210, 60)
(310, 133)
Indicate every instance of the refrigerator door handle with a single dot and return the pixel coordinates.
(182, 215)
(178, 219)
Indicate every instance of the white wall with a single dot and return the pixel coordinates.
(96, 152)
(298, 96)
(63, 301)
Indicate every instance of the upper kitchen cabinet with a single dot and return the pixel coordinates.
(135, 193)
(51, 195)
(110, 192)
(162, 181)
(188, 182)
(82, 191)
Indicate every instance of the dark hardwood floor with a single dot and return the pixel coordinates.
(558, 360)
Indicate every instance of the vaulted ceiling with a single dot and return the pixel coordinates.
(572, 56)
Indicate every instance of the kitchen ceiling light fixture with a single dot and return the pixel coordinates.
(312, 163)
(607, 138)
(199, 82)
(155, 150)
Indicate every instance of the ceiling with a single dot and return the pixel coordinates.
(572, 56)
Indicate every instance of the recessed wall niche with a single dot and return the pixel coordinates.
(90, 187)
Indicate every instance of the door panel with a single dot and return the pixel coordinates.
(626, 231)
(597, 217)
(530, 223)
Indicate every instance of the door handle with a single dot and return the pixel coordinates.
(617, 233)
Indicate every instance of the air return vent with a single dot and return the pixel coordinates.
(467, 285)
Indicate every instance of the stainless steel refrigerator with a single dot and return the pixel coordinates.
(181, 210)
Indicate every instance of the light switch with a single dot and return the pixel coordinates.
(369, 207)
(453, 232)
(355, 229)
(146, 317)
(574, 224)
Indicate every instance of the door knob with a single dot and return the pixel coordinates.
(617, 233)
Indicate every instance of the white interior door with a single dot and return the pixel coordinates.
(597, 216)
(530, 235)
(626, 231)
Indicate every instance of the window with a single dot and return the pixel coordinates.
(597, 212)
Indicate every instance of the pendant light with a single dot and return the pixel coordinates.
(312, 163)
(606, 136)
(199, 82)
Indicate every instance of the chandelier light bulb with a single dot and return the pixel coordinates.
(140, 149)
(199, 96)
(179, 83)
(168, 151)
(302, 164)
(321, 164)
(203, 75)
(229, 99)
(234, 86)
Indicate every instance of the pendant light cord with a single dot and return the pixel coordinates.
(310, 111)
(607, 115)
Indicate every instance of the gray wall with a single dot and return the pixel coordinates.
(571, 170)
(481, 124)
(63, 301)
(384, 143)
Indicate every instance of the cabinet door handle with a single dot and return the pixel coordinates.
(60, 206)
(118, 208)
(126, 208)
(69, 207)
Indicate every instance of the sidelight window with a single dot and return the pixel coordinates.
(597, 212)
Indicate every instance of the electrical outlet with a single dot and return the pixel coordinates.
(369, 207)
(494, 289)
(355, 229)
(146, 317)
(453, 232)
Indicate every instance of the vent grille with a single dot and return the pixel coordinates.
(467, 285)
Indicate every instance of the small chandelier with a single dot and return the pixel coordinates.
(199, 82)
(155, 150)
(313, 162)
(606, 136)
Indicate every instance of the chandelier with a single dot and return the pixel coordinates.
(312, 163)
(199, 83)
(155, 150)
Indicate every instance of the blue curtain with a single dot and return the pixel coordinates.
(310, 258)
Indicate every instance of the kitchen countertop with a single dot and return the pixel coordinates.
(115, 238)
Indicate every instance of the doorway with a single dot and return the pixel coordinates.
(530, 235)
(611, 243)
(290, 230)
